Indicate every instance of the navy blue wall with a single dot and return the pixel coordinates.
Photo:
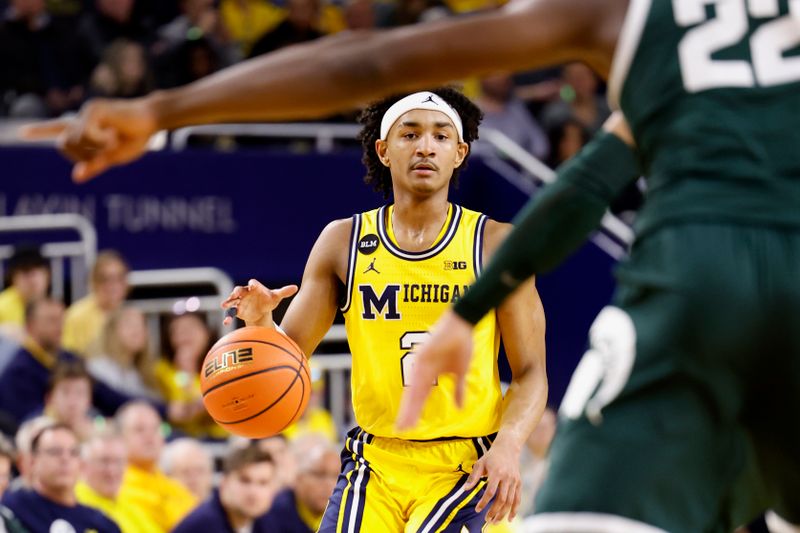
(257, 214)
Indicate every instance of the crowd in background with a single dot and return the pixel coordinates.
(58, 53)
(104, 432)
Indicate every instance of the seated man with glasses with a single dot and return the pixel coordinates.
(50, 504)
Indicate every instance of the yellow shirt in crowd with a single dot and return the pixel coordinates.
(165, 501)
(12, 307)
(83, 323)
(127, 516)
(177, 386)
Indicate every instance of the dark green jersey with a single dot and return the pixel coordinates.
(711, 89)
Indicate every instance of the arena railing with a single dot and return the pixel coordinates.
(323, 134)
(79, 253)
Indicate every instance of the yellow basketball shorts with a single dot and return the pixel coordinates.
(400, 486)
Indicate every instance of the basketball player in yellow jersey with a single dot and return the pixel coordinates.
(392, 271)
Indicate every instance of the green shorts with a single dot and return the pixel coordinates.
(683, 414)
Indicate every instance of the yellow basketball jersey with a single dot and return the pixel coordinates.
(392, 299)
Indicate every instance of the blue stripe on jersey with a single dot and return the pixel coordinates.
(477, 246)
(425, 254)
(351, 261)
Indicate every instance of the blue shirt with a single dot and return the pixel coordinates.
(283, 516)
(38, 514)
(210, 516)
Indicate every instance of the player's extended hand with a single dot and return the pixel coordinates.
(500, 467)
(254, 302)
(105, 133)
(448, 350)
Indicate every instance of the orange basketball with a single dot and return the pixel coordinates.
(255, 382)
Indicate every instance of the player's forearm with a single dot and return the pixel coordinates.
(555, 223)
(524, 403)
(345, 70)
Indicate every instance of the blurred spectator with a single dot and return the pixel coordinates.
(360, 14)
(123, 72)
(9, 522)
(22, 439)
(163, 500)
(121, 358)
(566, 140)
(300, 509)
(246, 21)
(187, 62)
(104, 461)
(278, 448)
(189, 462)
(7, 459)
(198, 18)
(27, 279)
(316, 419)
(39, 76)
(188, 339)
(55, 466)
(108, 288)
(579, 100)
(503, 111)
(245, 493)
(404, 12)
(535, 460)
(23, 383)
(69, 398)
(300, 25)
(108, 21)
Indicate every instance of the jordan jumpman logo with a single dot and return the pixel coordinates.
(371, 267)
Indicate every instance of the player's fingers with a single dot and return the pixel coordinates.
(501, 504)
(83, 171)
(255, 284)
(477, 473)
(233, 297)
(414, 396)
(489, 493)
(285, 292)
(515, 501)
(49, 129)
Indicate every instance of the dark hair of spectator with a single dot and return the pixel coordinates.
(66, 371)
(55, 426)
(378, 175)
(7, 449)
(240, 457)
(25, 257)
(166, 345)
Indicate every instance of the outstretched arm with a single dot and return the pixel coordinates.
(547, 230)
(311, 313)
(343, 71)
(522, 326)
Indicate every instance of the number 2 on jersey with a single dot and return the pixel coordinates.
(768, 66)
(407, 342)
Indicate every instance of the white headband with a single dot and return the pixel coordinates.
(422, 100)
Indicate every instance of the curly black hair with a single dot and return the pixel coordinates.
(378, 175)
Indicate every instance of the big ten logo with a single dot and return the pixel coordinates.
(455, 265)
(228, 360)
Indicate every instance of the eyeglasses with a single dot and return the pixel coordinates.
(73, 453)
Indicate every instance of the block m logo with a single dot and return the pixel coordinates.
(385, 305)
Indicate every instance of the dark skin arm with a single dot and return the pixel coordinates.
(343, 71)
(313, 310)
(522, 327)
